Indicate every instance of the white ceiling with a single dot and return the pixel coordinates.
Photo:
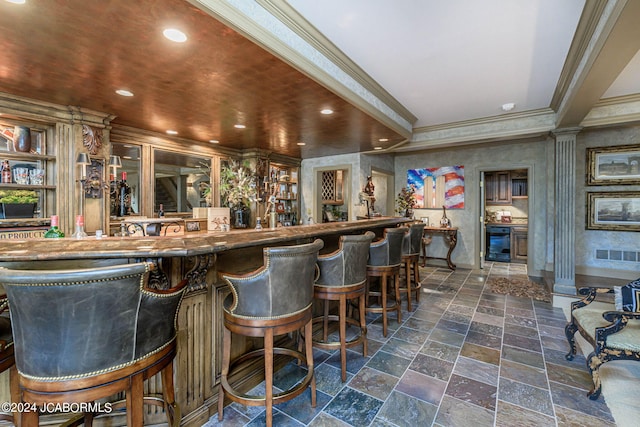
(455, 60)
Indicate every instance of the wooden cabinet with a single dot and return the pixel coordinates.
(497, 188)
(287, 203)
(519, 244)
(502, 187)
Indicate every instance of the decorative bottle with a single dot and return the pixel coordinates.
(6, 172)
(79, 233)
(54, 232)
(161, 211)
(258, 224)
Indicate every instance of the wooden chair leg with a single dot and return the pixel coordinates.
(268, 373)
(168, 394)
(14, 389)
(416, 271)
(325, 323)
(383, 292)
(363, 323)
(30, 419)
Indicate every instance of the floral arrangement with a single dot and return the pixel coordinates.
(237, 183)
(406, 200)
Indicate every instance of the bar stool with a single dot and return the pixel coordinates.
(7, 359)
(85, 334)
(410, 261)
(343, 275)
(273, 300)
(385, 257)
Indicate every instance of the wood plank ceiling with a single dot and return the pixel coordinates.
(79, 52)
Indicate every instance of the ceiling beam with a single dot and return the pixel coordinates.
(613, 44)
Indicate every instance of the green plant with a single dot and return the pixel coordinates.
(18, 196)
(406, 199)
(237, 183)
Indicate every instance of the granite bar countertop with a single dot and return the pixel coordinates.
(178, 246)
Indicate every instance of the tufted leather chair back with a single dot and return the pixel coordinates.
(282, 286)
(69, 324)
(347, 265)
(413, 239)
(388, 251)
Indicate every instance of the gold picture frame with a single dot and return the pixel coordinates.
(616, 165)
(615, 211)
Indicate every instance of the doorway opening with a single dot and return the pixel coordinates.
(505, 206)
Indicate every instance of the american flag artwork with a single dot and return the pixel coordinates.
(437, 187)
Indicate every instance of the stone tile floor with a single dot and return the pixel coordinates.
(465, 356)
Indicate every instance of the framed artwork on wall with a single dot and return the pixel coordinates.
(613, 211)
(614, 165)
(438, 187)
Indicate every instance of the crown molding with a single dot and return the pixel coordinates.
(509, 126)
(614, 111)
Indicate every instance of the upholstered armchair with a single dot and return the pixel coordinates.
(410, 260)
(612, 329)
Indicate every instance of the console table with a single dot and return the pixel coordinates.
(450, 235)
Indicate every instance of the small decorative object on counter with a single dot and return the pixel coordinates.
(444, 221)
(6, 172)
(258, 224)
(161, 211)
(79, 233)
(54, 232)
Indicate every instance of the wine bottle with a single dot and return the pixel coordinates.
(54, 232)
(125, 197)
(6, 172)
(160, 211)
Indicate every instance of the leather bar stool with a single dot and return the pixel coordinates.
(410, 260)
(385, 257)
(273, 300)
(343, 276)
(7, 359)
(85, 334)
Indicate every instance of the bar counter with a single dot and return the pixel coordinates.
(200, 257)
(191, 244)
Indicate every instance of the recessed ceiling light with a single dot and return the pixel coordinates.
(124, 92)
(326, 111)
(383, 139)
(214, 141)
(172, 132)
(377, 148)
(302, 143)
(17, 1)
(239, 126)
(508, 106)
(175, 35)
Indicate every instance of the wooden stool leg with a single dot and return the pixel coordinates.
(398, 300)
(29, 419)
(226, 359)
(168, 394)
(383, 292)
(135, 405)
(268, 373)
(308, 329)
(407, 274)
(14, 388)
(325, 323)
(342, 318)
(363, 324)
(416, 279)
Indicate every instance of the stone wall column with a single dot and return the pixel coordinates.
(565, 211)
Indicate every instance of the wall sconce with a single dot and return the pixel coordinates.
(91, 180)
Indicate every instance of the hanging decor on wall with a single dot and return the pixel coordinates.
(438, 187)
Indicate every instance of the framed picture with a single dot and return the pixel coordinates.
(425, 219)
(613, 165)
(613, 211)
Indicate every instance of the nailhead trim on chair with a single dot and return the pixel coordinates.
(102, 371)
(270, 317)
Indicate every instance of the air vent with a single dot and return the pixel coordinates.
(618, 255)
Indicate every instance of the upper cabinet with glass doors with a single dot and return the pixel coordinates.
(27, 160)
